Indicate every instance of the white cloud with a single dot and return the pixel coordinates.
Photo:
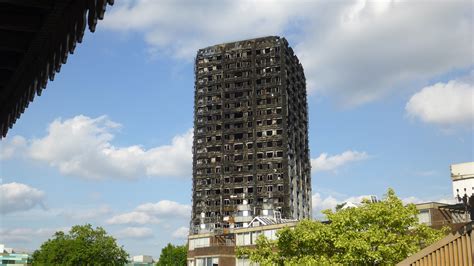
(16, 235)
(26, 235)
(331, 163)
(135, 232)
(319, 203)
(88, 214)
(171, 29)
(166, 208)
(81, 146)
(171, 160)
(364, 50)
(12, 147)
(150, 213)
(416, 200)
(358, 51)
(133, 218)
(181, 233)
(444, 104)
(16, 197)
(412, 199)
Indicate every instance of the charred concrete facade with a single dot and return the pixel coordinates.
(250, 133)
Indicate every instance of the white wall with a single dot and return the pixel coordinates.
(199, 243)
(460, 185)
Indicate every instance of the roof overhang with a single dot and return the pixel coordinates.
(36, 38)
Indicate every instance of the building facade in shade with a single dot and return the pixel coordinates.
(250, 144)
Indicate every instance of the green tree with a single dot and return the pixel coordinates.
(172, 255)
(83, 245)
(374, 233)
(339, 206)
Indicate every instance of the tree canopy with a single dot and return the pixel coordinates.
(83, 245)
(375, 233)
(172, 255)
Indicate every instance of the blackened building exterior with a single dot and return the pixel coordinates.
(250, 133)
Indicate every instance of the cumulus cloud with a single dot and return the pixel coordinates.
(358, 51)
(133, 218)
(26, 235)
(88, 214)
(324, 162)
(365, 50)
(152, 213)
(16, 197)
(166, 208)
(412, 199)
(12, 147)
(81, 146)
(444, 104)
(168, 28)
(181, 233)
(319, 203)
(416, 200)
(135, 232)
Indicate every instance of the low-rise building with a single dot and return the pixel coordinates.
(218, 248)
(9, 256)
(457, 248)
(141, 260)
(438, 215)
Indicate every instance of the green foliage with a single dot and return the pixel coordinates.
(384, 232)
(339, 206)
(264, 253)
(83, 245)
(172, 255)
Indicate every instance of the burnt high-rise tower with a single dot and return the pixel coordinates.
(250, 132)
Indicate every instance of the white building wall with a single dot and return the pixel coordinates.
(143, 258)
(199, 243)
(463, 179)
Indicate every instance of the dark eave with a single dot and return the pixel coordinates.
(36, 36)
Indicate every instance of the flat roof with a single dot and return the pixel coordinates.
(222, 45)
(430, 205)
(462, 170)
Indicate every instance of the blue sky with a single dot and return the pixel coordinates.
(109, 143)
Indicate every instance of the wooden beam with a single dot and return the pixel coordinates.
(10, 60)
(20, 22)
(43, 4)
(15, 41)
(5, 75)
(54, 27)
